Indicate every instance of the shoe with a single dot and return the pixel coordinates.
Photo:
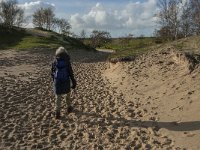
(57, 115)
(69, 109)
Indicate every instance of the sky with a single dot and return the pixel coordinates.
(119, 17)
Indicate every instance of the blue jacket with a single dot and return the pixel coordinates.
(62, 87)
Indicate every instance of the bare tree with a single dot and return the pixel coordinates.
(178, 18)
(169, 16)
(195, 11)
(187, 23)
(20, 18)
(73, 35)
(48, 17)
(44, 18)
(99, 38)
(1, 22)
(38, 18)
(83, 34)
(11, 14)
(63, 26)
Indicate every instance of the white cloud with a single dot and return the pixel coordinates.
(135, 17)
(30, 7)
(77, 21)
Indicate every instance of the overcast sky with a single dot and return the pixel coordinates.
(119, 17)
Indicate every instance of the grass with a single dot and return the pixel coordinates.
(129, 43)
(129, 47)
(129, 53)
(136, 46)
(190, 44)
(21, 39)
(29, 42)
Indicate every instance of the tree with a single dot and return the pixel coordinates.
(73, 35)
(169, 16)
(20, 18)
(99, 38)
(178, 18)
(187, 23)
(83, 34)
(63, 26)
(38, 18)
(1, 22)
(11, 14)
(195, 14)
(49, 16)
(44, 18)
(164, 33)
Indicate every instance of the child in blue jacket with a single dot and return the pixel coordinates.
(62, 73)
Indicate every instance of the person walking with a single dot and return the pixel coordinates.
(63, 79)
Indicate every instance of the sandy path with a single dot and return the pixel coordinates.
(102, 119)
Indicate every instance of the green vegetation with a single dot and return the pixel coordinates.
(29, 42)
(189, 44)
(33, 38)
(137, 46)
(22, 40)
(129, 53)
(129, 43)
(129, 47)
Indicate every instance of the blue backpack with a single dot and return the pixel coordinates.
(62, 71)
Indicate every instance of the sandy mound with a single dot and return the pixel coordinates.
(164, 84)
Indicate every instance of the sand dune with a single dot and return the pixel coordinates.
(150, 103)
(165, 84)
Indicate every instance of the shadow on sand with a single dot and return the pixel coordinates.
(87, 56)
(121, 122)
(76, 55)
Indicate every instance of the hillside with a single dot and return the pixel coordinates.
(21, 39)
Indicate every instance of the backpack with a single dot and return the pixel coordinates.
(62, 71)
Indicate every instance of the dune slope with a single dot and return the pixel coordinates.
(164, 83)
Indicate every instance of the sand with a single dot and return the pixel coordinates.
(150, 103)
(164, 83)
